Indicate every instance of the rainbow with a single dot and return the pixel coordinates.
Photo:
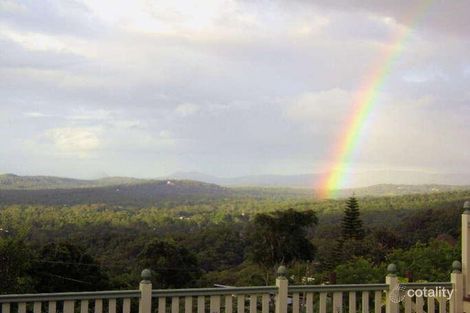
(363, 105)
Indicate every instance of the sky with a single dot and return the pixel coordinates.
(145, 88)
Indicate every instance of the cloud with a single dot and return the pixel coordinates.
(67, 17)
(79, 142)
(326, 109)
(238, 87)
(186, 109)
(36, 115)
(447, 17)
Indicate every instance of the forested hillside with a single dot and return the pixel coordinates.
(214, 238)
(136, 194)
(12, 181)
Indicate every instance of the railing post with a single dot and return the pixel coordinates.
(466, 247)
(456, 278)
(392, 297)
(145, 287)
(282, 285)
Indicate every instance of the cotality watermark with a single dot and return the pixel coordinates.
(400, 292)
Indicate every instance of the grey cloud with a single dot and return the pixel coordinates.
(226, 101)
(15, 56)
(443, 16)
(50, 16)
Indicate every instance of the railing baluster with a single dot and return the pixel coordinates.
(241, 304)
(337, 302)
(6, 308)
(378, 302)
(175, 304)
(69, 306)
(253, 300)
(309, 303)
(85, 302)
(431, 305)
(352, 302)
(161, 305)
(442, 305)
(98, 306)
(365, 302)
(215, 304)
(265, 303)
(295, 303)
(37, 307)
(323, 302)
(228, 304)
(84, 306)
(52, 307)
(419, 305)
(112, 306)
(188, 304)
(408, 304)
(22, 307)
(200, 304)
(126, 305)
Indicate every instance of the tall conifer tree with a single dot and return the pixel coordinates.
(351, 225)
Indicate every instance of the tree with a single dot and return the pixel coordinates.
(15, 262)
(281, 237)
(351, 224)
(429, 262)
(359, 270)
(63, 266)
(218, 246)
(172, 264)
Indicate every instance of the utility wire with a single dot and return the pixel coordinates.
(97, 265)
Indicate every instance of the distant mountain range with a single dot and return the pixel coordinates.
(356, 180)
(293, 181)
(181, 188)
(116, 191)
(12, 181)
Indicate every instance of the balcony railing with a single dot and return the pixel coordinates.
(390, 297)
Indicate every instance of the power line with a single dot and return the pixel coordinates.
(68, 278)
(97, 265)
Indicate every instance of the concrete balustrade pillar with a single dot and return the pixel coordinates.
(456, 278)
(145, 287)
(282, 284)
(466, 247)
(393, 292)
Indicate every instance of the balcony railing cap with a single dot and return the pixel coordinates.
(146, 275)
(392, 269)
(466, 207)
(282, 272)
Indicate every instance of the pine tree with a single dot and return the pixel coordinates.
(351, 225)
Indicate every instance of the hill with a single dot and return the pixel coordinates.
(49, 190)
(135, 194)
(356, 180)
(399, 190)
(16, 182)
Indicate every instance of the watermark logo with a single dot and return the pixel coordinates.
(400, 292)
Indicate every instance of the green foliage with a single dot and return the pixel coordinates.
(281, 237)
(218, 230)
(429, 262)
(15, 262)
(246, 274)
(430, 223)
(65, 266)
(173, 265)
(359, 271)
(351, 225)
(302, 273)
(218, 247)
